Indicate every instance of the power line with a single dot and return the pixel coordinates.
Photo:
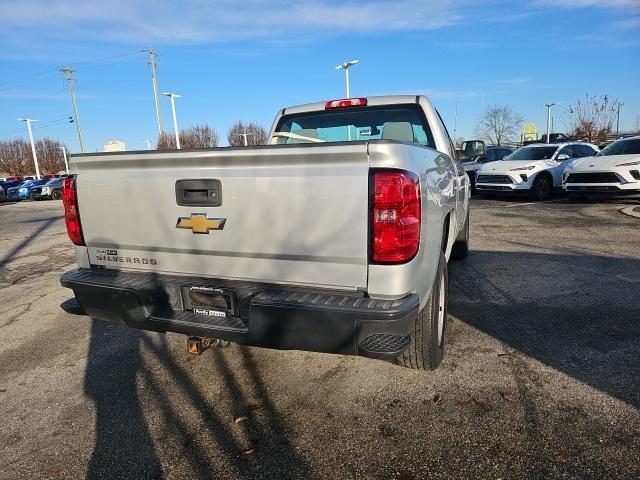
(51, 72)
(50, 123)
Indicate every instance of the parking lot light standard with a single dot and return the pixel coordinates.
(172, 97)
(29, 121)
(345, 66)
(549, 105)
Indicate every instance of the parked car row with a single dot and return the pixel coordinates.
(43, 189)
(578, 168)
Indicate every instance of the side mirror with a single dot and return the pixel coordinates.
(562, 157)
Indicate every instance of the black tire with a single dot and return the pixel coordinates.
(472, 182)
(32, 197)
(3, 196)
(56, 195)
(542, 188)
(460, 247)
(428, 327)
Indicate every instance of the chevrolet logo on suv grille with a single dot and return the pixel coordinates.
(199, 223)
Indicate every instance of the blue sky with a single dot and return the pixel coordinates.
(245, 60)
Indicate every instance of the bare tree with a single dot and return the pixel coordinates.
(498, 124)
(198, 136)
(50, 157)
(592, 119)
(16, 157)
(253, 132)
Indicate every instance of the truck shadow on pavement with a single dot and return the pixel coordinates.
(136, 382)
(576, 313)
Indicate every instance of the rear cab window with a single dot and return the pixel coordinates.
(403, 122)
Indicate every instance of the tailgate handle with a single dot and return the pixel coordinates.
(199, 192)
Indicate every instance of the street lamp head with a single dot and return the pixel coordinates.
(346, 65)
(173, 95)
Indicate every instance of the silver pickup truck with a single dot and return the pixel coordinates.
(333, 238)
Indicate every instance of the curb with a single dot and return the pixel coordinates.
(631, 211)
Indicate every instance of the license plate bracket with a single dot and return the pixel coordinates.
(210, 300)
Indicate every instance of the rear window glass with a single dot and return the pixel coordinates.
(388, 122)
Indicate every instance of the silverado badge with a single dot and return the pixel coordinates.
(199, 223)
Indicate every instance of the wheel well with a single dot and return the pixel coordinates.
(544, 173)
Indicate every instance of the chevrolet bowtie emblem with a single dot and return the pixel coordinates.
(199, 223)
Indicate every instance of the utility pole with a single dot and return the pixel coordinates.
(29, 121)
(153, 65)
(68, 75)
(618, 119)
(172, 97)
(549, 105)
(66, 163)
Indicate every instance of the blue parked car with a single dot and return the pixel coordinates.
(5, 186)
(23, 190)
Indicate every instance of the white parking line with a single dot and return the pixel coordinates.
(532, 203)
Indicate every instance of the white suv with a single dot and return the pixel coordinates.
(535, 169)
(615, 171)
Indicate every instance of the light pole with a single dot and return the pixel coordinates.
(66, 163)
(245, 135)
(345, 66)
(549, 105)
(148, 144)
(29, 121)
(172, 97)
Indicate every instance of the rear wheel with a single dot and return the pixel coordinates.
(56, 195)
(32, 197)
(541, 188)
(428, 328)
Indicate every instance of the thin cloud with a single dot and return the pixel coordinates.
(195, 21)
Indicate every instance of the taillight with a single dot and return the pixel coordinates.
(71, 214)
(346, 103)
(396, 216)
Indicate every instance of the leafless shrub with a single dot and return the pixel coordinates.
(592, 119)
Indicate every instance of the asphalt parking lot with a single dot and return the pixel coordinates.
(541, 378)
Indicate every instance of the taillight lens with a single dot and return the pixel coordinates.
(71, 214)
(396, 216)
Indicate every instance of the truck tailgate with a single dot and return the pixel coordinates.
(294, 214)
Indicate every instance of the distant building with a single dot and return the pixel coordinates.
(114, 146)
